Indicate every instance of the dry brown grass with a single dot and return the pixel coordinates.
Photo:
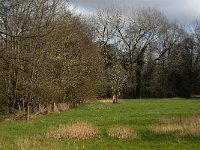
(78, 130)
(33, 143)
(37, 142)
(180, 126)
(106, 101)
(122, 132)
(109, 100)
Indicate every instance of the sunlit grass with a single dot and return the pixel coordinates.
(137, 115)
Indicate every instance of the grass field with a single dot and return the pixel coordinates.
(139, 115)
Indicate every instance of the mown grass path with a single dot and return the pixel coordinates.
(138, 114)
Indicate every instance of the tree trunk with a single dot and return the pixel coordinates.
(23, 106)
(19, 107)
(138, 84)
(115, 98)
(55, 108)
(139, 79)
(28, 112)
(7, 108)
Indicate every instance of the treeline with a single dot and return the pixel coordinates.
(50, 55)
(46, 55)
(146, 55)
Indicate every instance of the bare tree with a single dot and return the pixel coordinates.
(104, 27)
(141, 29)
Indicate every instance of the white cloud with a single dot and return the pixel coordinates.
(184, 11)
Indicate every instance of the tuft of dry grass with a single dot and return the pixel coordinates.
(77, 130)
(33, 143)
(122, 132)
(180, 126)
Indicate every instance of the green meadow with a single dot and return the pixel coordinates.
(140, 115)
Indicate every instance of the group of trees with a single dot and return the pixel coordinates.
(48, 55)
(155, 57)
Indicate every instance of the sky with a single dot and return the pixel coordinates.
(182, 11)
